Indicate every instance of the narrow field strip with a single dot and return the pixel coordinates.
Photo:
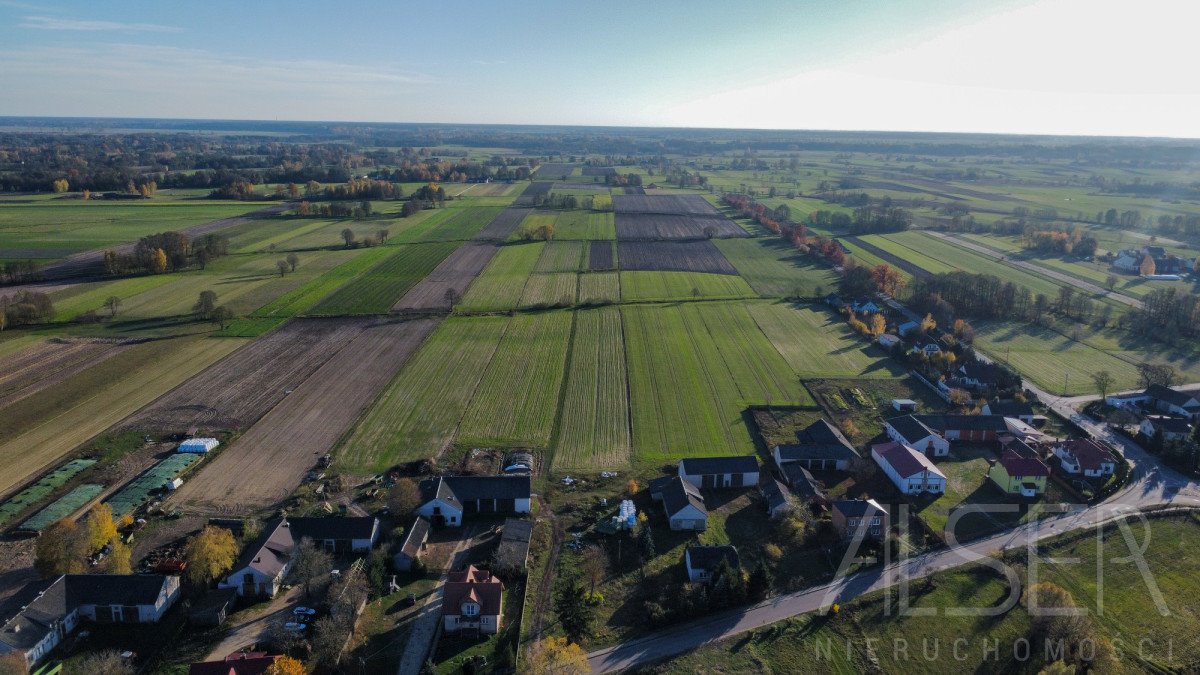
(594, 429)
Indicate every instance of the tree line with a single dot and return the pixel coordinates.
(166, 252)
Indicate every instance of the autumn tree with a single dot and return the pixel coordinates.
(205, 305)
(1148, 267)
(13, 663)
(928, 323)
(1110, 282)
(107, 662)
(120, 558)
(60, 549)
(348, 237)
(558, 656)
(283, 267)
(100, 527)
(210, 554)
(61, 185)
(112, 304)
(1058, 623)
(286, 665)
(310, 563)
(594, 566)
(221, 316)
(1103, 381)
(158, 261)
(878, 324)
(887, 279)
(383, 235)
(404, 498)
(292, 261)
(632, 488)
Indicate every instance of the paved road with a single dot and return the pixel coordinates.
(1038, 269)
(1150, 484)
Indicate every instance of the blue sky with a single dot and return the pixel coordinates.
(1030, 66)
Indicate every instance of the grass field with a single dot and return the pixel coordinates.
(817, 343)
(774, 269)
(574, 225)
(550, 290)
(502, 282)
(464, 222)
(301, 299)
(1053, 360)
(375, 291)
(418, 414)
(594, 431)
(599, 288)
(517, 399)
(55, 228)
(643, 286)
(562, 256)
(51, 423)
(693, 370)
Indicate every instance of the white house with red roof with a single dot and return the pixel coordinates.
(472, 602)
(1086, 457)
(910, 470)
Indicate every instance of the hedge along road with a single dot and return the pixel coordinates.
(1151, 484)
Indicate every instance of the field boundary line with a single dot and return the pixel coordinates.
(475, 390)
(556, 431)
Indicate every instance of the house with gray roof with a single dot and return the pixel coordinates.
(260, 570)
(412, 546)
(702, 561)
(446, 500)
(684, 506)
(851, 514)
(819, 447)
(720, 472)
(1174, 402)
(910, 430)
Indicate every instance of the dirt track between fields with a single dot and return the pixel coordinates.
(262, 468)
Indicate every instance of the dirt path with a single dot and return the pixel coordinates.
(250, 629)
(546, 583)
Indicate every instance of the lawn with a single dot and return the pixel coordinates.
(693, 370)
(375, 291)
(418, 414)
(817, 343)
(516, 402)
(502, 282)
(661, 286)
(594, 428)
(774, 269)
(966, 484)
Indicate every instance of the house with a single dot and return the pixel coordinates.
(820, 447)
(834, 300)
(908, 328)
(1086, 457)
(1173, 429)
(911, 431)
(412, 546)
(904, 405)
(702, 561)
(73, 598)
(1128, 401)
(1019, 471)
(979, 375)
(888, 341)
(850, 514)
(1128, 261)
(684, 505)
(447, 499)
(337, 535)
(213, 608)
(720, 472)
(471, 601)
(1174, 402)
(260, 570)
(804, 487)
(198, 445)
(865, 306)
(777, 497)
(910, 470)
(237, 663)
(1015, 409)
(970, 428)
(514, 545)
(928, 348)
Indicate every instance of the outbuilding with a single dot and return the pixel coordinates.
(198, 445)
(720, 472)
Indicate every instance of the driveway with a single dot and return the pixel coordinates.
(252, 628)
(425, 623)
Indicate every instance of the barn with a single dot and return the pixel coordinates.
(720, 472)
(447, 500)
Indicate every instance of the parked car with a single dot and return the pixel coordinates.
(304, 611)
(295, 627)
(409, 600)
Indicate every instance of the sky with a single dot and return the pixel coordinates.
(1088, 67)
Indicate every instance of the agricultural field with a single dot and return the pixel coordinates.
(42, 488)
(51, 229)
(502, 283)
(774, 269)
(516, 402)
(555, 171)
(418, 414)
(561, 256)
(655, 226)
(599, 288)
(693, 370)
(683, 256)
(665, 286)
(41, 429)
(550, 290)
(584, 225)
(44, 364)
(465, 223)
(452, 276)
(818, 343)
(237, 391)
(594, 431)
(686, 205)
(1052, 360)
(379, 288)
(601, 256)
(267, 463)
(503, 225)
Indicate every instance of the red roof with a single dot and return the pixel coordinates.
(473, 585)
(471, 574)
(1091, 455)
(1017, 466)
(906, 461)
(238, 663)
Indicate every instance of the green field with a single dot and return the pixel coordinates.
(594, 431)
(659, 286)
(550, 290)
(464, 222)
(500, 285)
(774, 269)
(693, 370)
(573, 225)
(1052, 360)
(599, 288)
(562, 256)
(375, 291)
(817, 343)
(301, 299)
(517, 399)
(418, 415)
(56, 227)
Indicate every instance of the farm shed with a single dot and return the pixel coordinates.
(447, 499)
(1016, 409)
(198, 445)
(778, 498)
(904, 405)
(820, 447)
(338, 535)
(684, 506)
(911, 431)
(720, 472)
(414, 543)
(212, 609)
(911, 471)
(514, 545)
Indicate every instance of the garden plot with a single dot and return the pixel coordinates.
(686, 205)
(550, 290)
(661, 256)
(532, 192)
(675, 226)
(503, 225)
(561, 256)
(152, 480)
(63, 507)
(500, 286)
(601, 256)
(600, 288)
(42, 488)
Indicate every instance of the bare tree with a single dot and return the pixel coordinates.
(283, 267)
(112, 304)
(594, 566)
(309, 564)
(293, 260)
